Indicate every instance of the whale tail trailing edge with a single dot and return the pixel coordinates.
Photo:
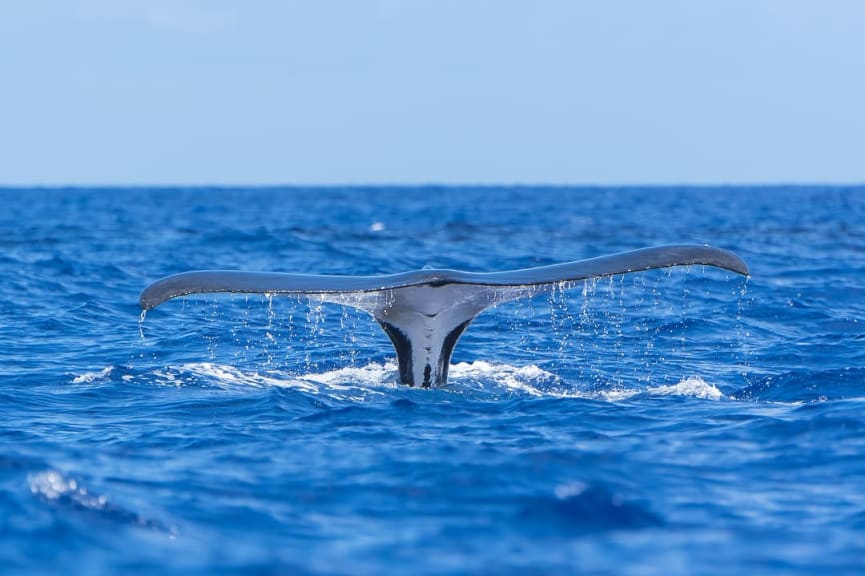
(424, 312)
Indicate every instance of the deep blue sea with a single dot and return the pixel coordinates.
(677, 421)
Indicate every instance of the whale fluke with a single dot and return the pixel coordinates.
(424, 312)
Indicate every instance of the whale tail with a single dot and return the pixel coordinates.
(424, 312)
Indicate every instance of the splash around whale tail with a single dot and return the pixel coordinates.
(424, 312)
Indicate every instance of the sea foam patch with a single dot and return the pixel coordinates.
(52, 485)
(694, 387)
(87, 377)
(529, 379)
(372, 374)
(226, 375)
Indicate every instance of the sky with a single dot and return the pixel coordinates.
(273, 92)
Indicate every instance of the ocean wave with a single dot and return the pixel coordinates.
(807, 385)
(70, 493)
(579, 507)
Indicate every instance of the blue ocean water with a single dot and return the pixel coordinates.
(682, 421)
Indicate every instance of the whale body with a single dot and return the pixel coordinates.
(424, 312)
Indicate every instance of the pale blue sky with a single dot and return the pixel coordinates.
(567, 92)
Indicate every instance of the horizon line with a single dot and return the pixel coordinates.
(431, 184)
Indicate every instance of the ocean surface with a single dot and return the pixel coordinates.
(678, 421)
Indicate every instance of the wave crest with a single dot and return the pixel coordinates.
(70, 493)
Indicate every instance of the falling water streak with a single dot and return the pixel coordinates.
(238, 328)
(290, 334)
(315, 316)
(588, 329)
(638, 288)
(742, 333)
(270, 341)
(568, 318)
(525, 337)
(212, 340)
(141, 318)
(614, 317)
(554, 302)
(348, 328)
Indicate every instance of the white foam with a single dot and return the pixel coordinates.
(614, 394)
(230, 376)
(91, 376)
(376, 379)
(372, 374)
(361, 381)
(694, 387)
(351, 383)
(515, 378)
(53, 485)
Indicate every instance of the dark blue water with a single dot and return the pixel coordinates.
(670, 422)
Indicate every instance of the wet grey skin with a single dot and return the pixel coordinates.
(424, 312)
